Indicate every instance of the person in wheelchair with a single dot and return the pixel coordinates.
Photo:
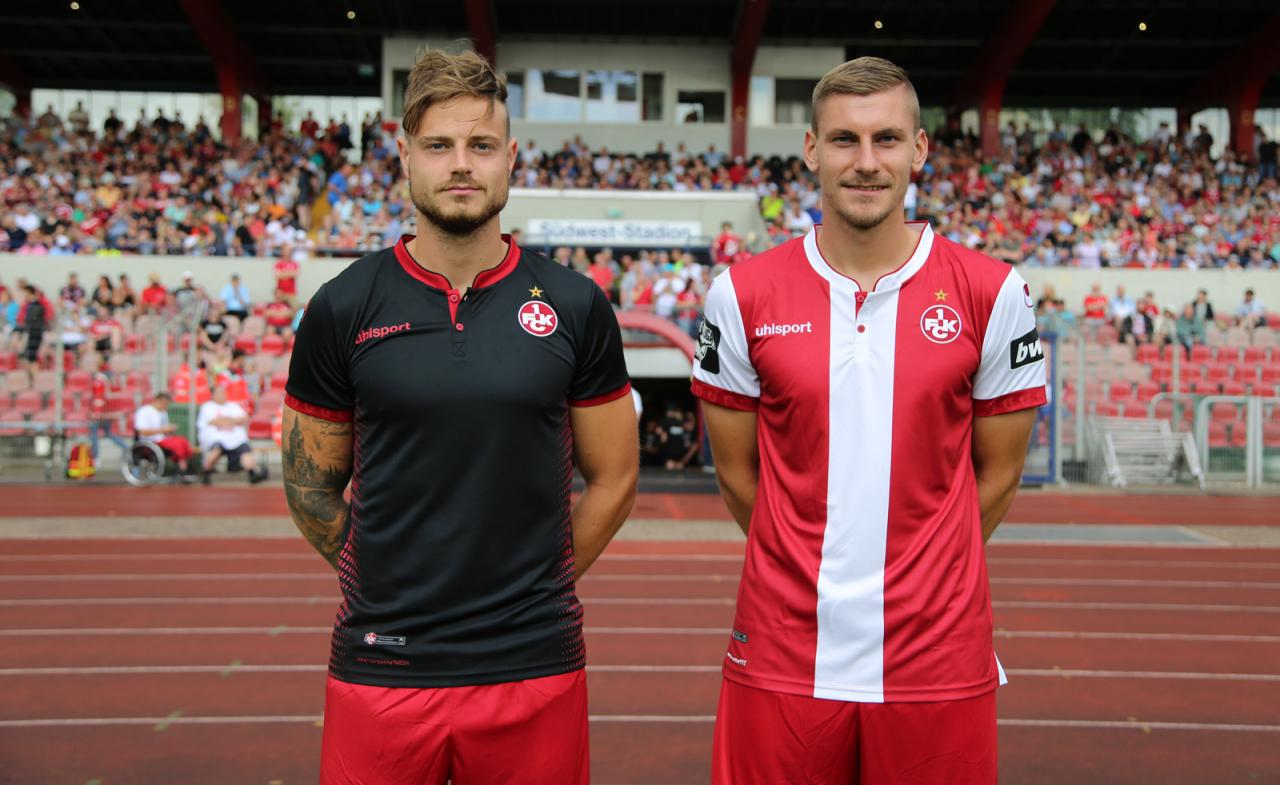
(151, 422)
(223, 430)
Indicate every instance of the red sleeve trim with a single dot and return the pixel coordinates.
(722, 397)
(1029, 398)
(302, 407)
(599, 399)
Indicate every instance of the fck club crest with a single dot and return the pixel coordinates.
(538, 318)
(940, 323)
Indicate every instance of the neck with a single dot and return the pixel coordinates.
(866, 254)
(460, 258)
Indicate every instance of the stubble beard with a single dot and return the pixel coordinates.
(865, 221)
(459, 222)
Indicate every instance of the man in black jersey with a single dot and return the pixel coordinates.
(454, 379)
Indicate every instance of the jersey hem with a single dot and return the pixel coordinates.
(1015, 401)
(467, 680)
(311, 410)
(722, 397)
(599, 399)
(849, 695)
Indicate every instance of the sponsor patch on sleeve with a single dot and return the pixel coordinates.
(1025, 350)
(707, 355)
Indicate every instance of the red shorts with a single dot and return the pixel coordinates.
(177, 446)
(531, 732)
(771, 738)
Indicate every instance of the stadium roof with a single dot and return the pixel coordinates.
(1084, 53)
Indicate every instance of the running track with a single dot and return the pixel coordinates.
(201, 661)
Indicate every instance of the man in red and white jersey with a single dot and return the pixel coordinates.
(869, 390)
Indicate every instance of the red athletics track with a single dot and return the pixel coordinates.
(1029, 507)
(201, 661)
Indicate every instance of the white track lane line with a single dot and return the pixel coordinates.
(313, 719)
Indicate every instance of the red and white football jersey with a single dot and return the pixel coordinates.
(865, 577)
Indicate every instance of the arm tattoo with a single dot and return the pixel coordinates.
(317, 456)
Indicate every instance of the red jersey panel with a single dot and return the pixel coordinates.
(865, 578)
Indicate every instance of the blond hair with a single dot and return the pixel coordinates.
(440, 76)
(864, 76)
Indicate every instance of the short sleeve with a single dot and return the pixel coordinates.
(1011, 375)
(600, 368)
(722, 370)
(319, 380)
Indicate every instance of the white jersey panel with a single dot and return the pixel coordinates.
(1012, 358)
(722, 358)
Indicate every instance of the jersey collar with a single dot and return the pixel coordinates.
(437, 281)
(887, 281)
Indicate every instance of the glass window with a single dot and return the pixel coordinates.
(399, 82)
(652, 95)
(700, 106)
(553, 95)
(793, 101)
(515, 95)
(613, 97)
(760, 101)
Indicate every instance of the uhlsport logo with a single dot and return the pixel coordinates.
(374, 333)
(538, 318)
(764, 330)
(374, 639)
(940, 323)
(370, 638)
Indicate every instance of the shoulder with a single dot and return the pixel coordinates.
(564, 284)
(354, 282)
(767, 267)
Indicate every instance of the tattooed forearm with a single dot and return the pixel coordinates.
(317, 466)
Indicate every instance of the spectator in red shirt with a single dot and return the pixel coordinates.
(279, 315)
(1095, 305)
(602, 273)
(287, 274)
(155, 297)
(106, 333)
(727, 246)
(309, 127)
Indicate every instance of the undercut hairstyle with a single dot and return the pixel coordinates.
(439, 76)
(864, 76)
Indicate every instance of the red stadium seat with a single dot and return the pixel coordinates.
(1239, 434)
(1224, 411)
(137, 380)
(1255, 355)
(1107, 335)
(1201, 387)
(278, 381)
(1164, 410)
(1148, 354)
(1270, 374)
(1146, 391)
(272, 344)
(28, 402)
(1133, 410)
(1270, 434)
(260, 427)
(1201, 354)
(79, 381)
(135, 343)
(1217, 372)
(1218, 434)
(8, 361)
(1162, 373)
(1233, 388)
(1120, 390)
(1106, 409)
(247, 344)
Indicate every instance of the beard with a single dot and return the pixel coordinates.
(869, 220)
(461, 220)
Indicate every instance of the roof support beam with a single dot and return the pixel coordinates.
(234, 64)
(483, 27)
(746, 40)
(985, 82)
(15, 79)
(1238, 82)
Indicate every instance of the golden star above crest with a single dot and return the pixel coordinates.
(535, 292)
(940, 296)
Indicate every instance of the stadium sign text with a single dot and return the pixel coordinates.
(620, 233)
